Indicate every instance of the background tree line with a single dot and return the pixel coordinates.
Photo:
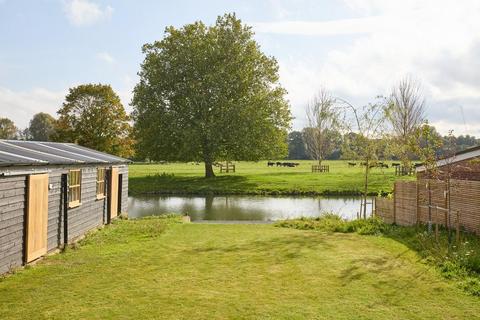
(297, 146)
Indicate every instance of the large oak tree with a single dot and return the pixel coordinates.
(209, 94)
(93, 116)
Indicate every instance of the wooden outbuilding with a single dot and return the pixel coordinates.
(53, 193)
(464, 165)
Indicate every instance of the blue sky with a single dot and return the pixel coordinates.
(357, 49)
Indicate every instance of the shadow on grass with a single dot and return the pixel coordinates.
(281, 248)
(169, 184)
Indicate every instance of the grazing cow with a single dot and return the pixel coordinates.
(383, 165)
(270, 164)
(352, 164)
(279, 164)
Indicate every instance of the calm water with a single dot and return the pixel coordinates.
(262, 208)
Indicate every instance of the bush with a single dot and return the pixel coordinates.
(330, 222)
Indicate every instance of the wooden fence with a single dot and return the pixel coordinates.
(228, 167)
(436, 201)
(404, 171)
(322, 168)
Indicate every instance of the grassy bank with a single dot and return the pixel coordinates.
(161, 269)
(257, 178)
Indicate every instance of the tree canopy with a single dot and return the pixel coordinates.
(41, 127)
(8, 130)
(93, 116)
(296, 146)
(209, 94)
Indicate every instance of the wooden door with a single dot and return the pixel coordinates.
(114, 193)
(37, 216)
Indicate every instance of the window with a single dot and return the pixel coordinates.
(74, 188)
(100, 183)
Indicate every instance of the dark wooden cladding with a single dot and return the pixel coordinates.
(89, 215)
(12, 220)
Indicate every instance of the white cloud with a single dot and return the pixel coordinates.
(20, 106)
(437, 42)
(106, 57)
(85, 12)
(320, 28)
(278, 9)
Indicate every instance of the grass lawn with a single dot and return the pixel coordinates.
(156, 269)
(257, 178)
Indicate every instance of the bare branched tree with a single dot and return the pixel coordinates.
(406, 113)
(364, 139)
(323, 118)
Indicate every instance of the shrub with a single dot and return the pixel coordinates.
(330, 222)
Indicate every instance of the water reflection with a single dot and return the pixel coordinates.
(242, 207)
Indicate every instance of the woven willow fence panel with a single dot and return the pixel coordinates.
(425, 200)
(384, 208)
(405, 203)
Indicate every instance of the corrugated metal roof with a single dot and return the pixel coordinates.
(466, 154)
(17, 152)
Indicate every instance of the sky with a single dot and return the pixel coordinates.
(357, 49)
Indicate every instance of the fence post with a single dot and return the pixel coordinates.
(395, 203)
(458, 227)
(418, 203)
(429, 224)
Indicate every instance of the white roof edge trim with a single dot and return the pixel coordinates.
(70, 152)
(41, 152)
(23, 157)
(454, 159)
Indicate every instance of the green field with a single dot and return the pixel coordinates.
(257, 178)
(159, 269)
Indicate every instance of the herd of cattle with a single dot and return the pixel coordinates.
(374, 164)
(282, 164)
(379, 164)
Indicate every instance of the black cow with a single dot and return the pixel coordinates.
(352, 164)
(270, 164)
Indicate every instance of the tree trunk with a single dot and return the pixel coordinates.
(209, 170)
